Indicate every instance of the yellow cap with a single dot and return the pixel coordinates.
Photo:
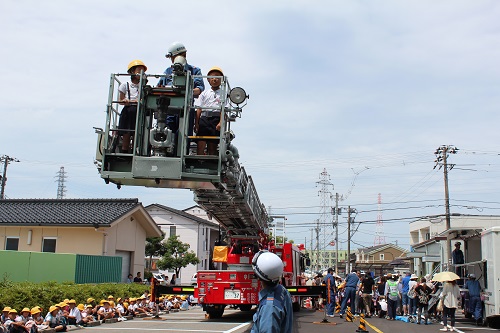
(72, 301)
(89, 306)
(135, 63)
(110, 297)
(26, 310)
(215, 68)
(35, 310)
(6, 309)
(90, 300)
(12, 311)
(81, 307)
(52, 308)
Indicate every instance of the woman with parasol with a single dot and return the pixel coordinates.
(450, 297)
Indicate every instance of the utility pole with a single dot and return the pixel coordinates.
(348, 260)
(442, 161)
(317, 245)
(336, 233)
(6, 160)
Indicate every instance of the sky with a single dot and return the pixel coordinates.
(361, 91)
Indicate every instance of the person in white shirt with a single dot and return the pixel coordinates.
(208, 121)
(74, 316)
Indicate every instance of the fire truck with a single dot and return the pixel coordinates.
(163, 154)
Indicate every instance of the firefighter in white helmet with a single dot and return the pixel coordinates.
(179, 50)
(275, 313)
(177, 54)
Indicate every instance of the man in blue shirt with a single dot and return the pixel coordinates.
(329, 282)
(275, 313)
(475, 306)
(405, 300)
(174, 51)
(351, 285)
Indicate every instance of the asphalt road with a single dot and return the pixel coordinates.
(305, 321)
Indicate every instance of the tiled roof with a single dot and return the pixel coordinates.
(184, 214)
(72, 212)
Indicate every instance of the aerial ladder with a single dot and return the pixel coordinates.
(163, 155)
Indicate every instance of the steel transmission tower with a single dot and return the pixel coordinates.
(325, 213)
(61, 188)
(379, 231)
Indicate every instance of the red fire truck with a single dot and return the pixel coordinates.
(238, 286)
(161, 152)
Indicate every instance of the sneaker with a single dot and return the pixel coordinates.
(330, 315)
(444, 329)
(341, 316)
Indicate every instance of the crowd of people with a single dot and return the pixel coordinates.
(393, 296)
(68, 312)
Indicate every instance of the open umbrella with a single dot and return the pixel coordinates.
(445, 276)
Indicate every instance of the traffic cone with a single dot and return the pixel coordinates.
(362, 324)
(337, 308)
(348, 315)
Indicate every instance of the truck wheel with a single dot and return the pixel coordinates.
(215, 313)
(296, 306)
(245, 307)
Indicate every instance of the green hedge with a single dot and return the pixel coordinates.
(19, 295)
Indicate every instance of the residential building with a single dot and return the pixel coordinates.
(428, 239)
(381, 259)
(102, 227)
(200, 233)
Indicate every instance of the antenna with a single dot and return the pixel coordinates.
(61, 188)
(379, 231)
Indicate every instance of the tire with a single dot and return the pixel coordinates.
(215, 313)
(245, 307)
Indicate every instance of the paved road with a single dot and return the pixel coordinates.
(305, 321)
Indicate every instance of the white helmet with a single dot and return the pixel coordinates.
(175, 49)
(268, 266)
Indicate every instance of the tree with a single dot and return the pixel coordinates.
(176, 255)
(154, 248)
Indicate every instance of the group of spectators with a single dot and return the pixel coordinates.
(67, 312)
(391, 295)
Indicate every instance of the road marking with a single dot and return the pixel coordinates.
(142, 329)
(238, 327)
(373, 327)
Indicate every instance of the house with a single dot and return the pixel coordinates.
(428, 237)
(99, 227)
(200, 233)
(380, 259)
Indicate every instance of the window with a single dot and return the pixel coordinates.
(12, 243)
(172, 230)
(49, 245)
(382, 256)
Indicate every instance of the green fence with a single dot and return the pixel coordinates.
(19, 266)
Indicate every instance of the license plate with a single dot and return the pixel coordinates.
(232, 294)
